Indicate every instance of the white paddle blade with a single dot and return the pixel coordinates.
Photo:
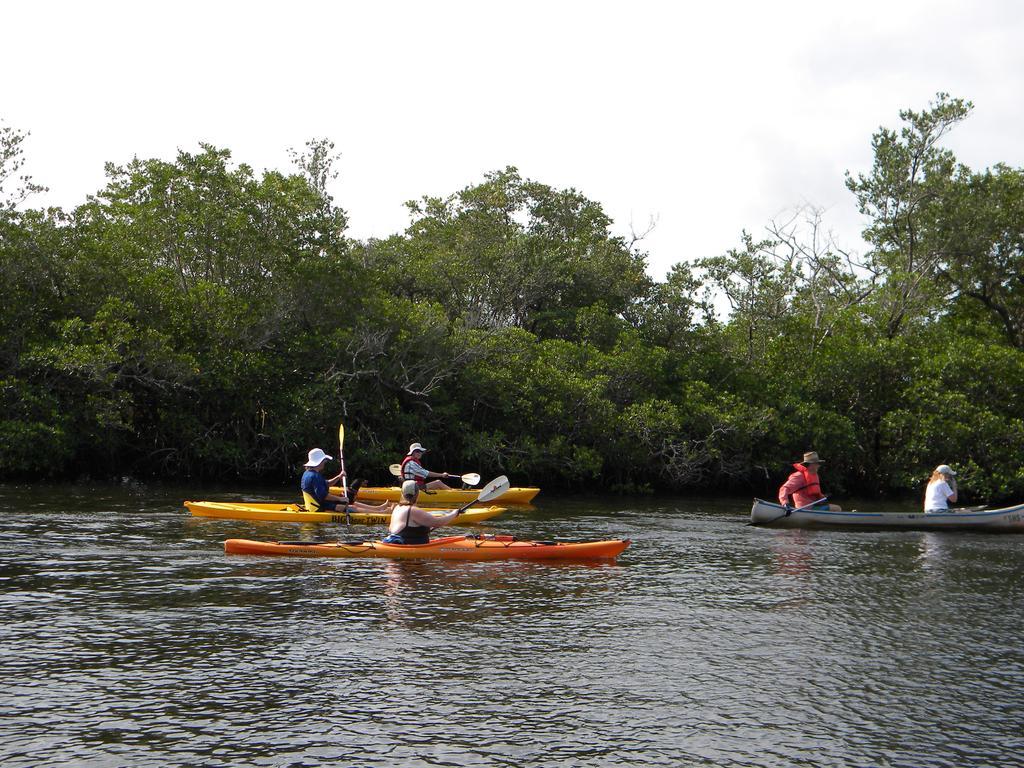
(396, 470)
(472, 478)
(494, 489)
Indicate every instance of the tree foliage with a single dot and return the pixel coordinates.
(196, 318)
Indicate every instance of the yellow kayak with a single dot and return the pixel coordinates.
(293, 513)
(451, 498)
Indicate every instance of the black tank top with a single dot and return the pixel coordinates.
(413, 534)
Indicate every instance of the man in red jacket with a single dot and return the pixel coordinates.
(802, 488)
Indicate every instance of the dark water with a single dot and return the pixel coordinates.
(129, 639)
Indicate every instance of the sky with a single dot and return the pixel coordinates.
(705, 119)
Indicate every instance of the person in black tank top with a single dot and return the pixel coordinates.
(411, 524)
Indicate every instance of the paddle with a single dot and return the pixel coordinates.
(344, 480)
(470, 478)
(492, 490)
(789, 511)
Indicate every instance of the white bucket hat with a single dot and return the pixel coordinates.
(316, 458)
(416, 447)
(410, 488)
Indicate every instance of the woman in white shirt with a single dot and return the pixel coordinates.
(941, 489)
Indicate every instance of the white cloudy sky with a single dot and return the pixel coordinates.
(709, 117)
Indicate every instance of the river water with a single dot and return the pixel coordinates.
(128, 638)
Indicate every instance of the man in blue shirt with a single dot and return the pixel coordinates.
(316, 489)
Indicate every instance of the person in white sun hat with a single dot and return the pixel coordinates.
(413, 469)
(941, 490)
(316, 489)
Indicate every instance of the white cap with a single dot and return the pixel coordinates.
(945, 469)
(317, 457)
(410, 488)
(416, 447)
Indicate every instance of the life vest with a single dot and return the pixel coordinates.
(810, 490)
(420, 481)
(311, 503)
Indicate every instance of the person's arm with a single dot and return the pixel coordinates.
(337, 478)
(787, 488)
(423, 517)
(952, 490)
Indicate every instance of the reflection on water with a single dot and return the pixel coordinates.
(129, 638)
(932, 550)
(792, 552)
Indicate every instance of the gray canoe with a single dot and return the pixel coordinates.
(1006, 519)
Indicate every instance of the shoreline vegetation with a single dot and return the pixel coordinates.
(196, 320)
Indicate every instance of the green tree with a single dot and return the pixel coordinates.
(512, 252)
(14, 188)
(981, 223)
(196, 305)
(672, 310)
(909, 179)
(759, 288)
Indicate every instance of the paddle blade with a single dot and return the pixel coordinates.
(494, 489)
(341, 437)
(396, 470)
(471, 478)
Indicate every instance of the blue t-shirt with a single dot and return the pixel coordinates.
(315, 485)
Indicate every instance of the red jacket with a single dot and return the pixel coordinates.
(802, 486)
(420, 481)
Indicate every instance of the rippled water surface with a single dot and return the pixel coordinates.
(129, 638)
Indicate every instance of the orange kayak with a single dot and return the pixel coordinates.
(447, 548)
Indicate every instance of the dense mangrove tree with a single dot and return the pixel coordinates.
(194, 318)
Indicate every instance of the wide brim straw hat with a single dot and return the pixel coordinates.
(811, 457)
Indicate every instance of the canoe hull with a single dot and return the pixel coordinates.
(448, 548)
(293, 513)
(452, 498)
(1008, 519)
